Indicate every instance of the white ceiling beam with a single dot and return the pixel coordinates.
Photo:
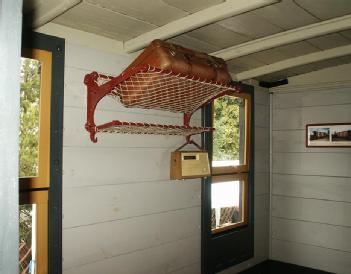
(196, 20)
(294, 62)
(286, 37)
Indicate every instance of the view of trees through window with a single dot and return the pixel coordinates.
(28, 155)
(226, 137)
(29, 117)
(25, 238)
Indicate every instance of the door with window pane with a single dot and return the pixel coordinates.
(227, 196)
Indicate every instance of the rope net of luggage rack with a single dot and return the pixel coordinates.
(151, 88)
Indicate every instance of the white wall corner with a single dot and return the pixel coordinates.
(83, 38)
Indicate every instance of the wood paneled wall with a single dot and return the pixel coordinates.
(121, 214)
(311, 203)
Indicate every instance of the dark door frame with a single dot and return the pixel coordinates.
(56, 46)
(229, 248)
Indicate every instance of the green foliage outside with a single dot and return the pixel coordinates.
(25, 224)
(28, 141)
(29, 117)
(226, 122)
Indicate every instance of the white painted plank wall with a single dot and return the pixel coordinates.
(311, 213)
(261, 226)
(121, 213)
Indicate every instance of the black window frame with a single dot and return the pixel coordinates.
(56, 46)
(226, 249)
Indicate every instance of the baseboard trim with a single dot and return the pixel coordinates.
(278, 267)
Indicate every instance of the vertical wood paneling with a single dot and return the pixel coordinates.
(311, 186)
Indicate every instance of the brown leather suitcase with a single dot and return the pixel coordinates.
(167, 56)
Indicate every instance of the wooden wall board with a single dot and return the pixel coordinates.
(313, 163)
(313, 210)
(310, 233)
(322, 97)
(115, 238)
(312, 256)
(165, 258)
(317, 187)
(297, 118)
(113, 202)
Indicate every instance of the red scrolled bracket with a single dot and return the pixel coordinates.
(186, 122)
(93, 97)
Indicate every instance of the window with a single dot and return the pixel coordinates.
(35, 119)
(227, 196)
(34, 160)
(228, 202)
(230, 155)
(231, 119)
(40, 154)
(33, 238)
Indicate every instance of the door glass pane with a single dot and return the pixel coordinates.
(29, 117)
(27, 238)
(226, 203)
(229, 136)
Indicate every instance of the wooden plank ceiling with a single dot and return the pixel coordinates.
(123, 20)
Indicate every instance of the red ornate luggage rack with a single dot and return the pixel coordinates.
(151, 88)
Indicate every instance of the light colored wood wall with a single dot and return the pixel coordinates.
(311, 203)
(121, 212)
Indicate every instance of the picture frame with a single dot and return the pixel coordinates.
(328, 135)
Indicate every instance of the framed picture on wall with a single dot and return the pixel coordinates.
(328, 135)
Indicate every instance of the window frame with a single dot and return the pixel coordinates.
(40, 198)
(43, 178)
(243, 177)
(55, 45)
(246, 166)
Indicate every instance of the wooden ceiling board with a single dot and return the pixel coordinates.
(286, 14)
(304, 69)
(326, 9)
(269, 56)
(251, 25)
(192, 5)
(219, 36)
(243, 63)
(281, 53)
(103, 22)
(193, 43)
(297, 49)
(329, 41)
(346, 34)
(156, 12)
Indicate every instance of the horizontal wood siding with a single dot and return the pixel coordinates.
(311, 204)
(121, 213)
